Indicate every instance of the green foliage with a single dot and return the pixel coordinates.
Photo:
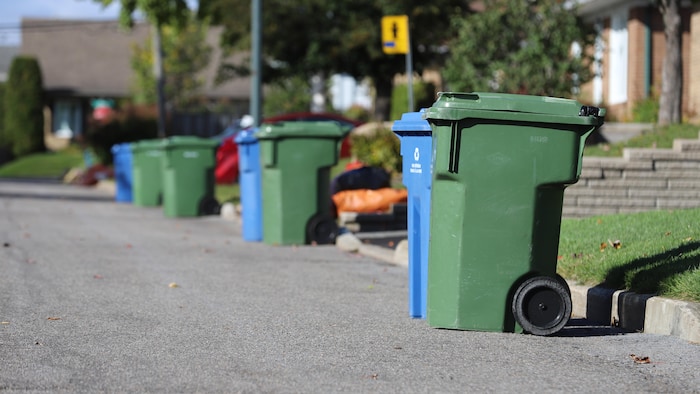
(380, 148)
(307, 37)
(289, 95)
(423, 97)
(186, 53)
(126, 128)
(646, 111)
(158, 12)
(24, 107)
(522, 47)
(357, 112)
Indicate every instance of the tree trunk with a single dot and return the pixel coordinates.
(672, 71)
(382, 103)
(160, 78)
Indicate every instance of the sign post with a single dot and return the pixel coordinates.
(396, 40)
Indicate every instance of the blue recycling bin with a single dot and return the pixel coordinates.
(415, 135)
(249, 180)
(123, 170)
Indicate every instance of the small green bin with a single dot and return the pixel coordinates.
(188, 176)
(296, 158)
(500, 166)
(147, 172)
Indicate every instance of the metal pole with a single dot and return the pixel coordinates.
(409, 73)
(255, 63)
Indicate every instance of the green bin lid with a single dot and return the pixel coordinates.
(303, 129)
(515, 107)
(147, 145)
(184, 141)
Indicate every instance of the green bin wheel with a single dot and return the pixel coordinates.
(542, 305)
(321, 229)
(209, 206)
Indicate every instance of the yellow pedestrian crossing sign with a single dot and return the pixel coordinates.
(395, 34)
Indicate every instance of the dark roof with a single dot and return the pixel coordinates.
(93, 58)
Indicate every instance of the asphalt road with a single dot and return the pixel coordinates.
(97, 296)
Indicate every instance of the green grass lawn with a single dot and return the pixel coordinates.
(660, 138)
(44, 165)
(656, 252)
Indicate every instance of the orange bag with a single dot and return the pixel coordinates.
(367, 200)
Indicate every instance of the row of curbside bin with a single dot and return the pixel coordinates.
(177, 173)
(284, 179)
(486, 175)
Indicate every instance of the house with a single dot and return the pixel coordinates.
(630, 52)
(86, 61)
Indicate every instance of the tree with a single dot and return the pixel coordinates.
(517, 46)
(24, 107)
(159, 13)
(186, 53)
(309, 37)
(672, 69)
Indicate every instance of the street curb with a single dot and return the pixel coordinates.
(633, 312)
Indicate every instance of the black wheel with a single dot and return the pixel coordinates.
(563, 283)
(542, 305)
(209, 206)
(321, 229)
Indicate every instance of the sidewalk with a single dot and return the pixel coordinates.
(627, 310)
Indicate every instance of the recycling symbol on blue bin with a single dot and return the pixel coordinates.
(416, 154)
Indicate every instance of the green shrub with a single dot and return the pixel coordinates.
(646, 111)
(24, 107)
(381, 148)
(423, 97)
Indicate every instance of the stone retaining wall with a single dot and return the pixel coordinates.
(641, 180)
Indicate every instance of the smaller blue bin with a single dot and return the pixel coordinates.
(123, 172)
(249, 181)
(415, 135)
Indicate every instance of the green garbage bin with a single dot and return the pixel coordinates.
(147, 172)
(296, 158)
(188, 176)
(500, 166)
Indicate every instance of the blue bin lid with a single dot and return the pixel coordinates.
(246, 136)
(124, 147)
(412, 123)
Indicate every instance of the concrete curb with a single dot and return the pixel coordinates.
(630, 311)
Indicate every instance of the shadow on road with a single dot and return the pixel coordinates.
(586, 328)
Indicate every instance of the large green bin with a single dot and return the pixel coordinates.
(500, 166)
(188, 176)
(147, 172)
(296, 158)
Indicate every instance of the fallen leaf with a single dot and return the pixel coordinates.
(374, 376)
(53, 318)
(667, 233)
(560, 257)
(98, 276)
(617, 244)
(603, 245)
(640, 359)
(173, 285)
(688, 239)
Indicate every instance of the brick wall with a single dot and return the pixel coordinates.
(641, 180)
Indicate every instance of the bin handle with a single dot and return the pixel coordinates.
(455, 142)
